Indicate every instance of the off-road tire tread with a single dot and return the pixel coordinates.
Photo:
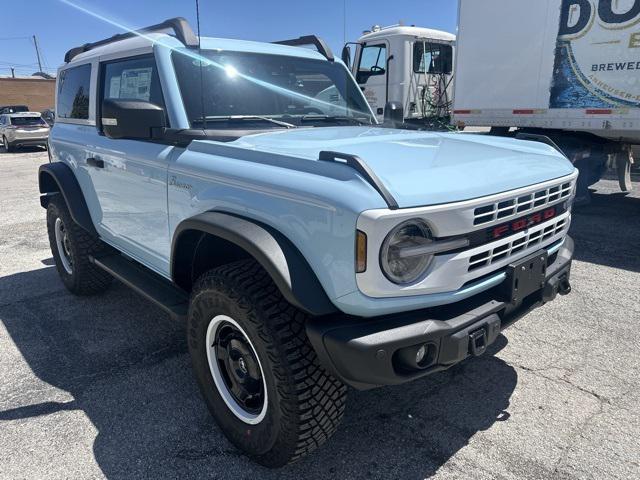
(313, 400)
(88, 278)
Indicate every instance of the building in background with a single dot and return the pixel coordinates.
(36, 92)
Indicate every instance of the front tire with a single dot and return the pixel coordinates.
(267, 391)
(72, 247)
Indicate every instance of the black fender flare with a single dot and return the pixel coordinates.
(58, 178)
(285, 264)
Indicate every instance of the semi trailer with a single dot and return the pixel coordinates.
(565, 69)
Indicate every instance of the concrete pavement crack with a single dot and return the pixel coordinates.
(145, 361)
(566, 450)
(536, 371)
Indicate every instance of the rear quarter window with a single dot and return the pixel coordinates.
(73, 92)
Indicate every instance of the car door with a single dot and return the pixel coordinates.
(371, 75)
(130, 176)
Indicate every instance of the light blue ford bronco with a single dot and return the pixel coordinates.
(248, 189)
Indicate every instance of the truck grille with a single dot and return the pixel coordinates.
(519, 244)
(512, 207)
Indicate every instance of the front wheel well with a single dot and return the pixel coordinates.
(199, 252)
(47, 183)
(213, 239)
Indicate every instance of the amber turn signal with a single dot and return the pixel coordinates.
(361, 252)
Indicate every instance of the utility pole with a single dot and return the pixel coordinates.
(35, 42)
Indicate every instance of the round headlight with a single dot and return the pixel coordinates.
(400, 256)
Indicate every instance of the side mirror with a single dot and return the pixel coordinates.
(393, 114)
(132, 119)
(346, 56)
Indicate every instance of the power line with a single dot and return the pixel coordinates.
(25, 71)
(19, 67)
(42, 65)
(10, 66)
(15, 38)
(44, 60)
(14, 64)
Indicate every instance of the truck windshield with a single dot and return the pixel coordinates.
(254, 89)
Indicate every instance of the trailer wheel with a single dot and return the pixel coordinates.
(624, 160)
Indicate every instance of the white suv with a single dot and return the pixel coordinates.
(22, 130)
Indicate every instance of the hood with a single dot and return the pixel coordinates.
(424, 168)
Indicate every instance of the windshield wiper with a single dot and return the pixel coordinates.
(234, 118)
(333, 118)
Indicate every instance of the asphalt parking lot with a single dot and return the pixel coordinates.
(101, 387)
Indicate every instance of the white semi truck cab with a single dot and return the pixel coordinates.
(408, 65)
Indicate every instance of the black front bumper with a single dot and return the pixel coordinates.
(371, 352)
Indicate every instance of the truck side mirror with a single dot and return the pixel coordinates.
(393, 114)
(133, 119)
(346, 55)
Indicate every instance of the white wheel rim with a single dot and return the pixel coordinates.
(216, 373)
(62, 239)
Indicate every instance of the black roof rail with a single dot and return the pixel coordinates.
(363, 169)
(179, 25)
(317, 42)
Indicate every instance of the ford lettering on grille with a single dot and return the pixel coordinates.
(522, 223)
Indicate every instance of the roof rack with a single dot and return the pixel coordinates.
(179, 25)
(317, 42)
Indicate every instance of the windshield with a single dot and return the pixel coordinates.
(258, 87)
(27, 121)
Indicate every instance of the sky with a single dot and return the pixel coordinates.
(59, 27)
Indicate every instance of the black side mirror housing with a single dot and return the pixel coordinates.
(346, 56)
(393, 114)
(131, 119)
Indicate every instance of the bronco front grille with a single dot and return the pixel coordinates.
(506, 250)
(512, 207)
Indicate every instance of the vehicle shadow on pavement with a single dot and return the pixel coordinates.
(606, 231)
(24, 150)
(127, 367)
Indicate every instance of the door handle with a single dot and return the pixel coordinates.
(95, 162)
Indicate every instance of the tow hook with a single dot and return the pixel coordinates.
(478, 342)
(565, 287)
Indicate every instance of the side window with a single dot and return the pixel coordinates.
(373, 61)
(73, 92)
(433, 58)
(132, 79)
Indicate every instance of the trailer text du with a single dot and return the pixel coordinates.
(579, 16)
